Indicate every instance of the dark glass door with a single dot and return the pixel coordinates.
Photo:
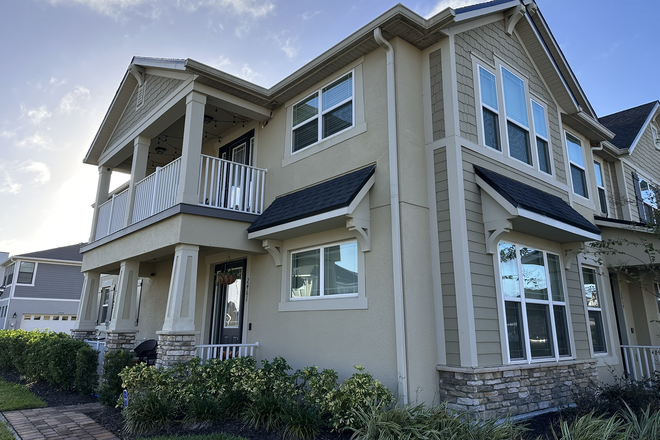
(228, 306)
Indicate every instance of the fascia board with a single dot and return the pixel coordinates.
(531, 215)
(595, 125)
(162, 63)
(644, 127)
(265, 233)
(485, 11)
(361, 194)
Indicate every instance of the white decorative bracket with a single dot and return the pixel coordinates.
(274, 248)
(138, 73)
(532, 8)
(494, 230)
(360, 229)
(512, 20)
(571, 250)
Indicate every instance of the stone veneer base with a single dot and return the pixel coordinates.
(495, 392)
(82, 335)
(120, 340)
(174, 347)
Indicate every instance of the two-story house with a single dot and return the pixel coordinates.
(41, 290)
(414, 200)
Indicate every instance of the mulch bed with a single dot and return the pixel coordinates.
(111, 419)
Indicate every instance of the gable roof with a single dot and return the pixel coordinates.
(317, 199)
(65, 253)
(532, 199)
(628, 125)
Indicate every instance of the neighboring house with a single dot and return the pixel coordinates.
(413, 200)
(41, 289)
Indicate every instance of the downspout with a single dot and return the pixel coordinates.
(397, 272)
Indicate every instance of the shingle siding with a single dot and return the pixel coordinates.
(157, 88)
(487, 42)
(53, 281)
(437, 100)
(646, 157)
(446, 259)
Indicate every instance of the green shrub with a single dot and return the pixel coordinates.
(591, 427)
(87, 361)
(113, 363)
(645, 426)
(148, 411)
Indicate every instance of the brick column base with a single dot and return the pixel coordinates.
(81, 335)
(120, 340)
(496, 392)
(174, 347)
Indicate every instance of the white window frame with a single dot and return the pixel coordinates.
(538, 135)
(330, 302)
(583, 168)
(654, 135)
(598, 172)
(489, 108)
(550, 303)
(34, 273)
(9, 277)
(601, 310)
(527, 128)
(319, 115)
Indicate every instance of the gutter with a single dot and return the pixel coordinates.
(397, 263)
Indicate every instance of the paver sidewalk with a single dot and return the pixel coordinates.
(58, 422)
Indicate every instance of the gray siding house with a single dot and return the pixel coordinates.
(418, 200)
(41, 289)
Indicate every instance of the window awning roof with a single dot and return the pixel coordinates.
(324, 205)
(523, 208)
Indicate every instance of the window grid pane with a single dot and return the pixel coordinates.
(341, 272)
(337, 92)
(509, 270)
(563, 339)
(306, 109)
(544, 155)
(491, 129)
(514, 97)
(306, 135)
(579, 181)
(338, 119)
(540, 335)
(514, 330)
(539, 120)
(488, 88)
(533, 270)
(597, 334)
(519, 143)
(574, 150)
(305, 270)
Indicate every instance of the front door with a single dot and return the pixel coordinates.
(228, 306)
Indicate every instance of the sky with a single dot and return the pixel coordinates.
(62, 62)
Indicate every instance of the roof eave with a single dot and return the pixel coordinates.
(649, 118)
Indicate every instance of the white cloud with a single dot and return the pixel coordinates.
(288, 45)
(37, 115)
(251, 8)
(7, 184)
(111, 8)
(72, 100)
(444, 4)
(57, 82)
(308, 15)
(8, 133)
(37, 140)
(248, 74)
(39, 171)
(221, 62)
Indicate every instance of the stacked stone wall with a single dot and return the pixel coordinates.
(174, 347)
(515, 389)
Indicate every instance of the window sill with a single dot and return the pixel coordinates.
(358, 129)
(359, 303)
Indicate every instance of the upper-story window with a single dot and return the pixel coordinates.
(594, 310)
(534, 303)
(578, 173)
(26, 272)
(598, 170)
(511, 122)
(656, 137)
(9, 275)
(324, 113)
(645, 193)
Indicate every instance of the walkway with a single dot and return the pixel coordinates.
(58, 422)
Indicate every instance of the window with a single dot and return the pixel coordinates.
(9, 275)
(645, 193)
(594, 309)
(578, 175)
(656, 287)
(601, 187)
(541, 131)
(25, 272)
(322, 114)
(517, 124)
(107, 302)
(325, 271)
(534, 303)
(654, 135)
(490, 116)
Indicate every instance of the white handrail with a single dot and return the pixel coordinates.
(641, 361)
(230, 185)
(225, 351)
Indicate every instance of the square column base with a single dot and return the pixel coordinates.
(120, 340)
(81, 335)
(174, 347)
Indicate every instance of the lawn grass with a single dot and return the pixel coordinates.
(5, 434)
(218, 436)
(14, 396)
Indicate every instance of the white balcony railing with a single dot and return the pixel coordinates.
(230, 185)
(156, 192)
(111, 215)
(222, 184)
(225, 351)
(641, 361)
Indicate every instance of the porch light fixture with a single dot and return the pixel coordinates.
(207, 119)
(160, 150)
(14, 315)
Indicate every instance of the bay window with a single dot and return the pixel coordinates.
(594, 310)
(324, 113)
(576, 158)
(534, 303)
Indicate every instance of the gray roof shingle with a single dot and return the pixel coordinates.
(68, 253)
(535, 200)
(322, 197)
(626, 124)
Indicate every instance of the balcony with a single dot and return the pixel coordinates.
(222, 184)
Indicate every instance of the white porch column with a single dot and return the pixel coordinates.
(102, 190)
(138, 172)
(88, 307)
(180, 314)
(193, 133)
(124, 311)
